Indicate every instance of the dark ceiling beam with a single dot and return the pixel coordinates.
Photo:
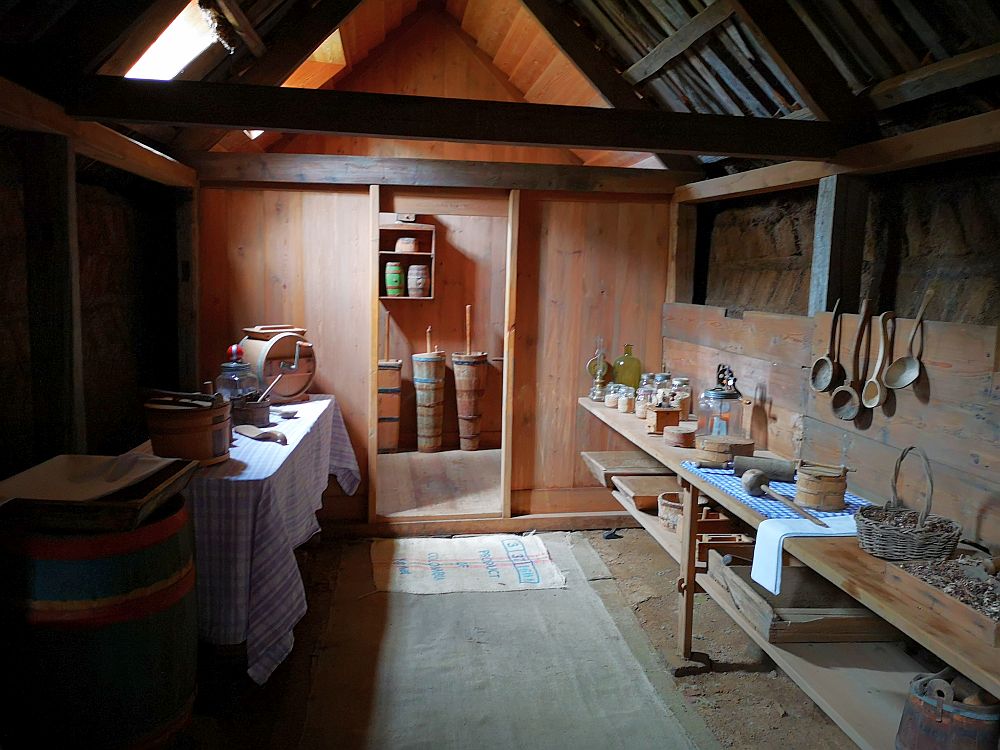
(800, 57)
(241, 107)
(295, 39)
(597, 68)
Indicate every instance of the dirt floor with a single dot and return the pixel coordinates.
(746, 701)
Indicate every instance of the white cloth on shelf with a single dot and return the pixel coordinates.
(771, 535)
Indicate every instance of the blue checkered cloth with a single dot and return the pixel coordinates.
(725, 480)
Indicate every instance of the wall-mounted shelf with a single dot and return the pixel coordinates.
(390, 230)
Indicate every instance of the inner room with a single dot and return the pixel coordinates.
(406, 374)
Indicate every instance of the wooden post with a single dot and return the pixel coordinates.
(681, 243)
(686, 584)
(53, 274)
(373, 285)
(510, 331)
(841, 210)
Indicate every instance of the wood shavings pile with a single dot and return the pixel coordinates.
(980, 591)
(907, 520)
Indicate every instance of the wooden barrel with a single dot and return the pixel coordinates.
(197, 434)
(281, 349)
(932, 722)
(101, 635)
(388, 385)
(393, 279)
(418, 280)
(407, 245)
(470, 386)
(428, 382)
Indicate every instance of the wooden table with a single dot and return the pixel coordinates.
(861, 686)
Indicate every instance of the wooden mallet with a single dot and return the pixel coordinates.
(754, 481)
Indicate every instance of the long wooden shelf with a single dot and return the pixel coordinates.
(838, 559)
(861, 686)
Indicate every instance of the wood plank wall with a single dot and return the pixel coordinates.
(585, 268)
(469, 269)
(952, 412)
(428, 56)
(291, 256)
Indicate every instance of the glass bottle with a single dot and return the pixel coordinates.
(628, 368)
(611, 396)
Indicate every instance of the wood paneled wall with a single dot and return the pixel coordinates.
(469, 269)
(298, 257)
(585, 268)
(952, 412)
(428, 56)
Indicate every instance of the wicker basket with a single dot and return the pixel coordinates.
(915, 543)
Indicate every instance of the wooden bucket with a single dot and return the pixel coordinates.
(281, 349)
(934, 719)
(197, 434)
(388, 384)
(428, 382)
(820, 489)
(470, 386)
(256, 413)
(101, 635)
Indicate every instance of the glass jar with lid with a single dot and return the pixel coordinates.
(720, 412)
(611, 396)
(644, 395)
(661, 386)
(681, 389)
(236, 380)
(626, 399)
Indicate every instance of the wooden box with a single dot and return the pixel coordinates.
(123, 510)
(658, 417)
(644, 490)
(605, 465)
(809, 609)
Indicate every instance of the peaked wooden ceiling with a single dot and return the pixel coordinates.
(850, 61)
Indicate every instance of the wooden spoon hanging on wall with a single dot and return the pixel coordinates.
(846, 400)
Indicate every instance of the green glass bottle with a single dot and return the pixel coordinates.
(628, 368)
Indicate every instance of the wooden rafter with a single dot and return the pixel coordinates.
(233, 107)
(298, 37)
(329, 169)
(234, 14)
(678, 42)
(596, 68)
(956, 71)
(786, 39)
(970, 136)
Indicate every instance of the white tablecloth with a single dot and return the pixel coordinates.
(250, 513)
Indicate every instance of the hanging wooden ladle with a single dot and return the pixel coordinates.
(905, 370)
(827, 373)
(846, 399)
(875, 390)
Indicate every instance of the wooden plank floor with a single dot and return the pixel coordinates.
(450, 484)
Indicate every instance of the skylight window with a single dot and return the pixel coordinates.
(182, 41)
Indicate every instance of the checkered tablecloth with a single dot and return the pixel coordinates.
(725, 480)
(250, 513)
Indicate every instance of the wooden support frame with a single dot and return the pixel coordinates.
(786, 39)
(678, 42)
(235, 15)
(433, 118)
(330, 169)
(54, 317)
(597, 69)
(374, 201)
(509, 340)
(20, 109)
(681, 242)
(960, 70)
(970, 136)
(687, 585)
(838, 244)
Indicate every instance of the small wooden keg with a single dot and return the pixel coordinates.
(820, 488)
(407, 245)
(470, 386)
(393, 279)
(418, 280)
